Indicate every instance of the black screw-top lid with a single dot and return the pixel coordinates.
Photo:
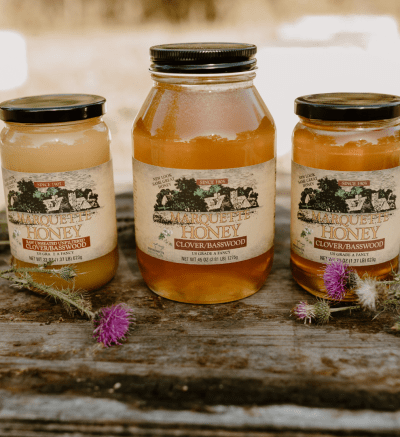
(201, 58)
(348, 106)
(52, 108)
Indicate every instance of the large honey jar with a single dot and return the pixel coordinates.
(204, 175)
(345, 186)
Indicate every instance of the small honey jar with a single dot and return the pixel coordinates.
(345, 186)
(59, 187)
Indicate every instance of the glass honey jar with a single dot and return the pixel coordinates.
(59, 187)
(204, 175)
(345, 184)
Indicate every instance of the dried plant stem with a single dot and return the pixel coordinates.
(21, 270)
(61, 295)
(112, 324)
(355, 307)
(70, 298)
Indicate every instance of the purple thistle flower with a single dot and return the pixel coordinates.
(337, 277)
(304, 311)
(112, 324)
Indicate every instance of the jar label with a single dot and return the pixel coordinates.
(204, 217)
(347, 215)
(64, 217)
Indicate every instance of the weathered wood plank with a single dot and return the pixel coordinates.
(71, 413)
(89, 430)
(191, 356)
(157, 362)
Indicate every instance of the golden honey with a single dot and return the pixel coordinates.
(345, 186)
(205, 134)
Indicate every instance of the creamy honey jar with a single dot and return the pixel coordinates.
(345, 186)
(58, 184)
(204, 175)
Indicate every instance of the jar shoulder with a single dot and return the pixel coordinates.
(36, 135)
(33, 148)
(186, 114)
(366, 148)
(371, 133)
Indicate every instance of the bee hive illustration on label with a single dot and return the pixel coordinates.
(204, 216)
(56, 216)
(345, 215)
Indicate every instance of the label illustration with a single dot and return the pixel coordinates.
(351, 216)
(204, 216)
(64, 217)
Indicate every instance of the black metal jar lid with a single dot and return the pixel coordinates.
(52, 108)
(348, 106)
(203, 58)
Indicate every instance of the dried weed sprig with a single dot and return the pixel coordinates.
(320, 311)
(371, 294)
(111, 324)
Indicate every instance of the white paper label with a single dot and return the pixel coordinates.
(204, 217)
(351, 216)
(65, 217)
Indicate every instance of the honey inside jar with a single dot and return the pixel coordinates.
(204, 122)
(38, 149)
(355, 155)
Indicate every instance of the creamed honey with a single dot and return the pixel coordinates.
(204, 175)
(58, 183)
(345, 186)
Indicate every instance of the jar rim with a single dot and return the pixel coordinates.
(202, 74)
(195, 58)
(348, 106)
(52, 108)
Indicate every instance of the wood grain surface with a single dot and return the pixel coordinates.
(242, 368)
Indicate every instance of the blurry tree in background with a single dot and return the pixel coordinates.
(38, 15)
(53, 14)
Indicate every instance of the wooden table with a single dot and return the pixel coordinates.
(239, 369)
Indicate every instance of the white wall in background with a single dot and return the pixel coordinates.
(322, 54)
(13, 60)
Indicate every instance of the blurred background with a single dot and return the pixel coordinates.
(101, 47)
